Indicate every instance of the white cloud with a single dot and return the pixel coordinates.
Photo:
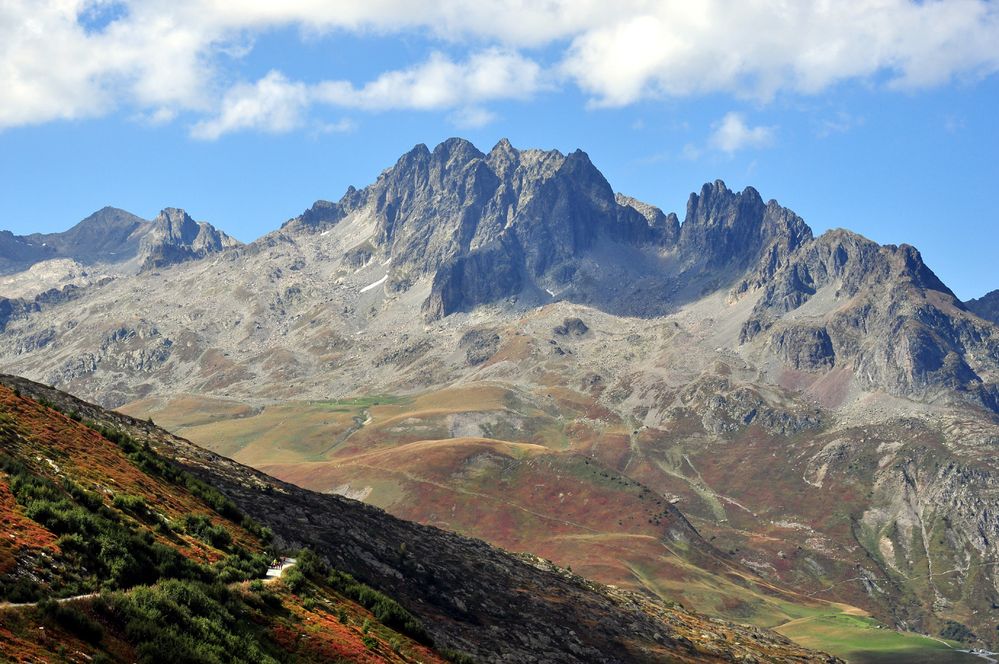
(471, 117)
(841, 123)
(732, 134)
(273, 104)
(162, 58)
(342, 126)
(758, 48)
(440, 83)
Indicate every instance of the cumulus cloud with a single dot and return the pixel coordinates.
(471, 117)
(757, 48)
(440, 83)
(63, 59)
(276, 104)
(732, 134)
(273, 104)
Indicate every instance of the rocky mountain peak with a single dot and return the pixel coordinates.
(176, 225)
(105, 218)
(456, 151)
(108, 235)
(503, 158)
(724, 229)
(986, 306)
(175, 237)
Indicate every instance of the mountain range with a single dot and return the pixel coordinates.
(727, 412)
(112, 241)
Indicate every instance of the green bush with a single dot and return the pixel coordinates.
(241, 566)
(72, 619)
(188, 622)
(202, 527)
(294, 579)
(388, 612)
(956, 631)
(129, 503)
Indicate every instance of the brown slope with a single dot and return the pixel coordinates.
(76, 597)
(471, 596)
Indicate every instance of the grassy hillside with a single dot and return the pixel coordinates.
(201, 528)
(112, 553)
(556, 474)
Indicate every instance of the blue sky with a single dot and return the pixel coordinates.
(881, 116)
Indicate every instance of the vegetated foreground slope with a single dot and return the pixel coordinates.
(74, 494)
(110, 552)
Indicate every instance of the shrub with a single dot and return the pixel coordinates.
(294, 579)
(388, 612)
(129, 503)
(72, 619)
(310, 564)
(202, 527)
(241, 566)
(956, 631)
(186, 621)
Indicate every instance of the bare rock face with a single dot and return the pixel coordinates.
(484, 275)
(987, 306)
(479, 345)
(884, 314)
(175, 237)
(487, 226)
(667, 225)
(805, 348)
(571, 327)
(729, 231)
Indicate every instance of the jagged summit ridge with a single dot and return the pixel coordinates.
(515, 223)
(176, 237)
(527, 227)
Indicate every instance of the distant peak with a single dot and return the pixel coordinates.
(457, 148)
(503, 145)
(504, 150)
(503, 157)
(173, 213)
(419, 152)
(175, 222)
(109, 213)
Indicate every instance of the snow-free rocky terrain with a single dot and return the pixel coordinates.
(727, 412)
